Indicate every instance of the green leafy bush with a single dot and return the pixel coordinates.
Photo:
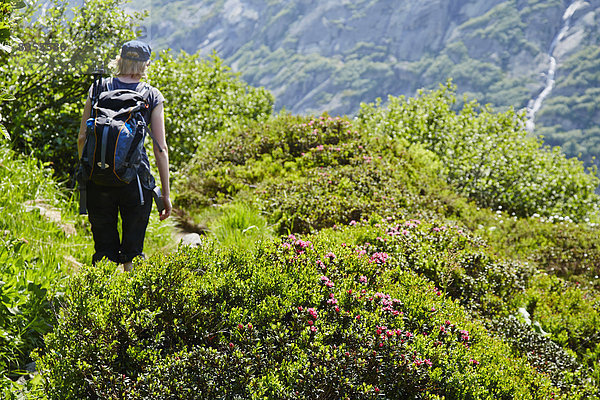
(6, 40)
(487, 156)
(300, 318)
(542, 353)
(203, 98)
(570, 314)
(47, 73)
(39, 244)
(307, 173)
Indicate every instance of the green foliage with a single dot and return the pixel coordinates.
(239, 226)
(564, 249)
(203, 99)
(542, 353)
(41, 240)
(308, 173)
(46, 74)
(6, 40)
(570, 314)
(328, 315)
(487, 156)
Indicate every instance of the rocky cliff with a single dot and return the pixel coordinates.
(318, 55)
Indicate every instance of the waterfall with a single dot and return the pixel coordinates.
(535, 104)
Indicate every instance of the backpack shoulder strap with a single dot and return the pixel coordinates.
(144, 89)
(109, 83)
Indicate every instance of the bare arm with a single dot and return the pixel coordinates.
(157, 124)
(83, 128)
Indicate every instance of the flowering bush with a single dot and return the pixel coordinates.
(309, 173)
(340, 314)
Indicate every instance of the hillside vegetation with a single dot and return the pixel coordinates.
(422, 250)
(330, 56)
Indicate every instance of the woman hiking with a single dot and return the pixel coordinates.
(133, 201)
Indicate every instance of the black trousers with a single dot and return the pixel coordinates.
(104, 204)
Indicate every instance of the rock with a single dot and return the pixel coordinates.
(191, 239)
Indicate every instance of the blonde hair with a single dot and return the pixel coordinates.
(124, 66)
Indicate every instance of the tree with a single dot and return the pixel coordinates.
(6, 21)
(48, 73)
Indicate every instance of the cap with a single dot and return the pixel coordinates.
(142, 50)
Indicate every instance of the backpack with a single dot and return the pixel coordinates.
(116, 130)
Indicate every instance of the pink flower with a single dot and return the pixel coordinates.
(330, 255)
(379, 258)
(352, 223)
(326, 281)
(363, 279)
(313, 329)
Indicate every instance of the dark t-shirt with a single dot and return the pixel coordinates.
(154, 99)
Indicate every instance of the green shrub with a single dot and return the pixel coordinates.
(203, 98)
(39, 244)
(570, 314)
(301, 318)
(560, 247)
(545, 355)
(48, 73)
(307, 173)
(487, 156)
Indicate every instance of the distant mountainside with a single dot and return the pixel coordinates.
(331, 55)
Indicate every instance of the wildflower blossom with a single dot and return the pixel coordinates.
(325, 280)
(379, 258)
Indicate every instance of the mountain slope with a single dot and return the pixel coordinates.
(333, 55)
